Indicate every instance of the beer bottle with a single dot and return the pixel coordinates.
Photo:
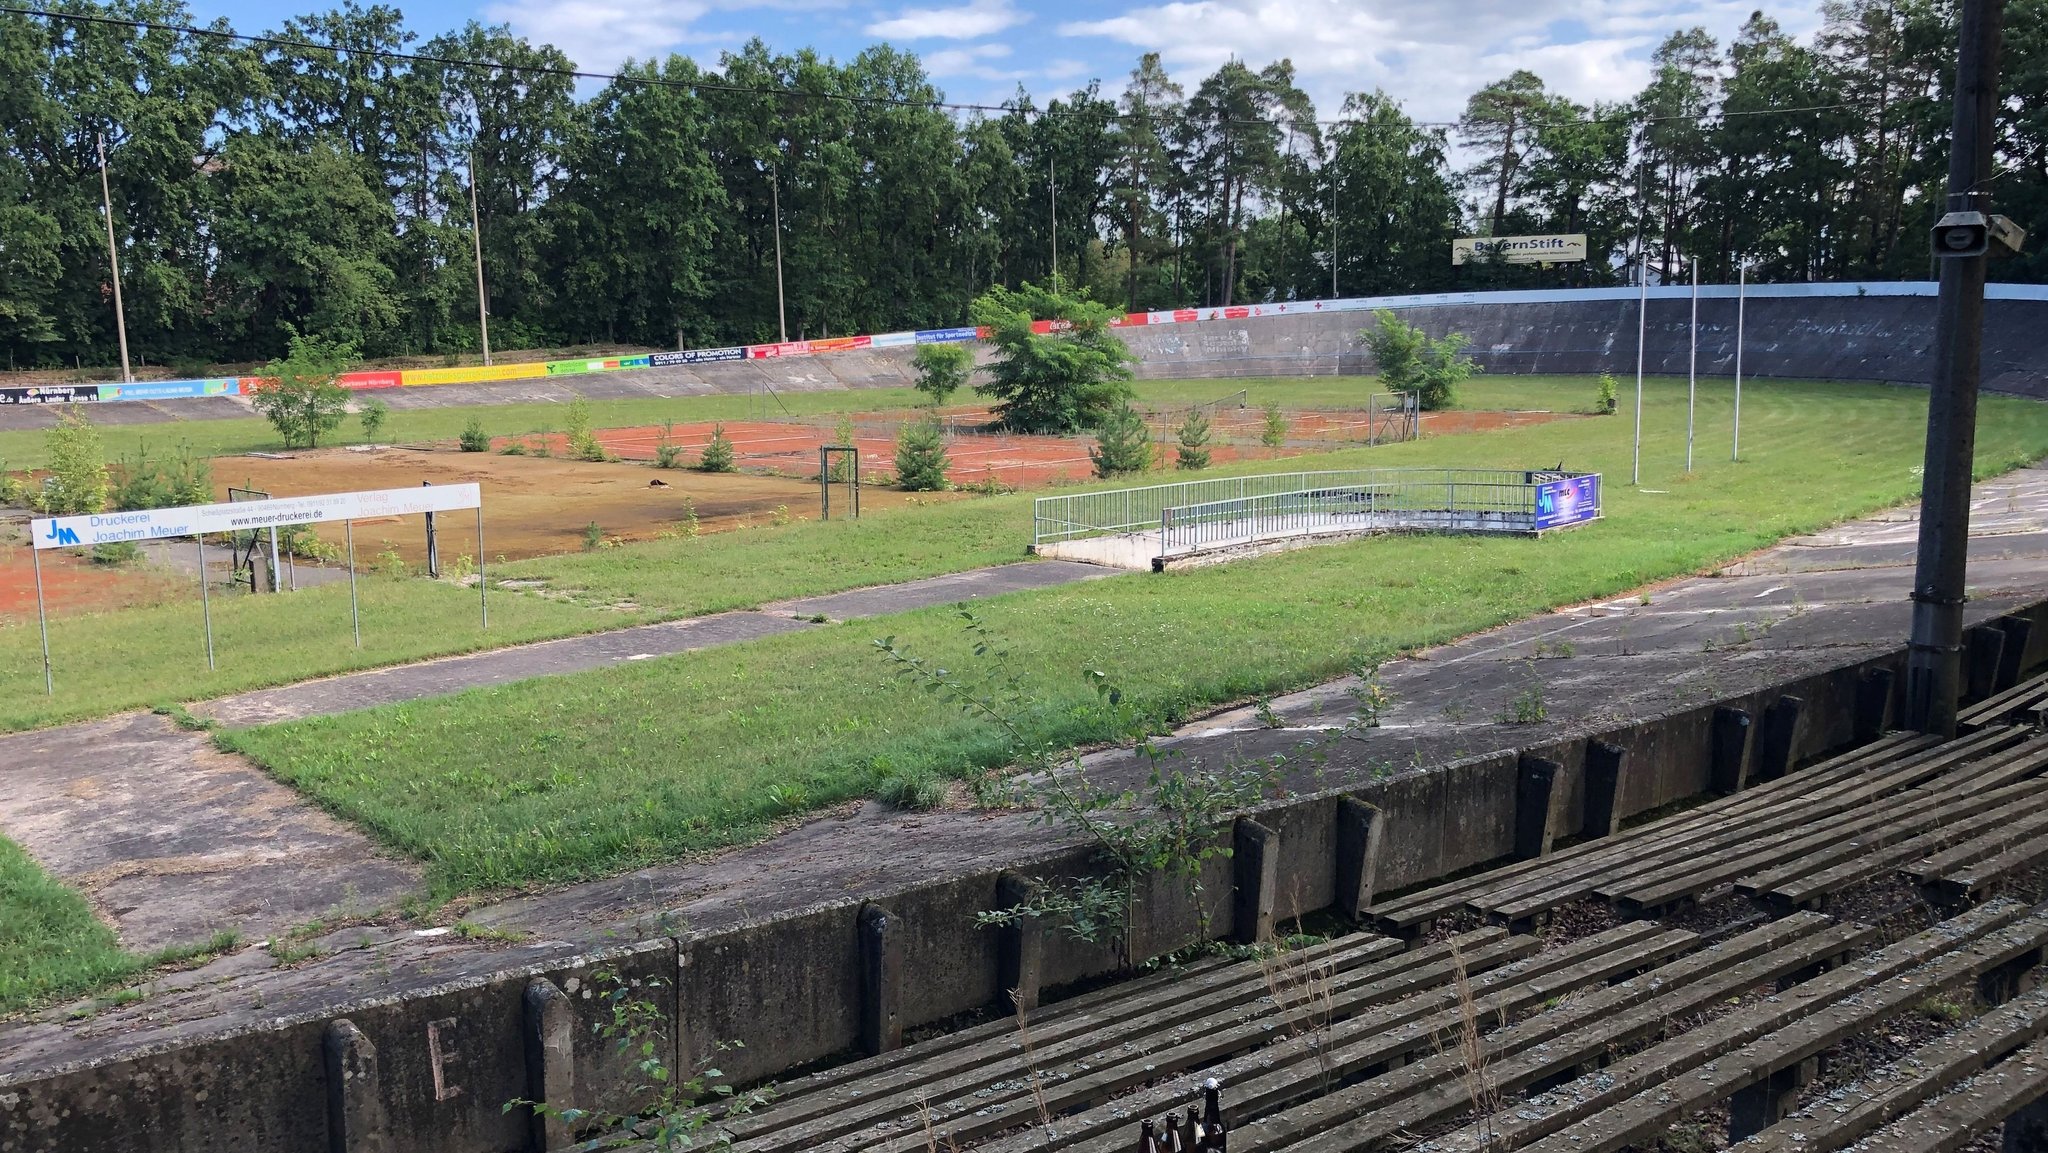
(1147, 1143)
(1213, 1135)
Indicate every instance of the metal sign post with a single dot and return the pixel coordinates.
(1741, 299)
(1642, 330)
(205, 599)
(1692, 365)
(43, 621)
(355, 616)
(483, 584)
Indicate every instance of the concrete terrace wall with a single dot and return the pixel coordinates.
(427, 1068)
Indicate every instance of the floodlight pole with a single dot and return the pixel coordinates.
(476, 240)
(114, 263)
(1741, 300)
(1692, 367)
(1052, 189)
(483, 584)
(1934, 654)
(42, 621)
(1642, 331)
(781, 307)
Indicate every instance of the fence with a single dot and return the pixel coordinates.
(1194, 515)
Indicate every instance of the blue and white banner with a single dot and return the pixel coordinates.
(945, 335)
(240, 516)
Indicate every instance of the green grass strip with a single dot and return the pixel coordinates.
(579, 776)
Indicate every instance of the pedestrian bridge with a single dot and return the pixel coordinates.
(1159, 525)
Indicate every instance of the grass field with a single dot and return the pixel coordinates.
(578, 776)
(136, 658)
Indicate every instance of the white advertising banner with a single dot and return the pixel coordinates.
(1520, 249)
(238, 516)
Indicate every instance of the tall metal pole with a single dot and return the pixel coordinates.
(781, 308)
(1642, 331)
(1692, 366)
(114, 263)
(476, 240)
(42, 620)
(1333, 223)
(1741, 300)
(483, 584)
(1052, 189)
(1934, 656)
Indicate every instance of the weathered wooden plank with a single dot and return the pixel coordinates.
(1972, 1109)
(1881, 1096)
(1960, 855)
(1983, 876)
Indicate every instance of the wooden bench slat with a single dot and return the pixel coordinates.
(1969, 1110)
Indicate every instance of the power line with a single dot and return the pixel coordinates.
(656, 81)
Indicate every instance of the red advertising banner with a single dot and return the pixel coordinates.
(361, 380)
(840, 343)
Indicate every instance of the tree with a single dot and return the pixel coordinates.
(300, 395)
(1069, 377)
(718, 454)
(1411, 362)
(1499, 121)
(942, 369)
(921, 460)
(1123, 445)
(1193, 451)
(78, 480)
(373, 413)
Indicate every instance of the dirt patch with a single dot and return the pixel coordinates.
(533, 506)
(73, 584)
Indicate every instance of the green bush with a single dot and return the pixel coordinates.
(373, 413)
(300, 394)
(116, 552)
(921, 460)
(1274, 434)
(583, 443)
(1059, 381)
(667, 453)
(181, 478)
(1608, 391)
(1410, 361)
(1193, 452)
(941, 370)
(78, 480)
(1123, 445)
(474, 438)
(718, 454)
(843, 462)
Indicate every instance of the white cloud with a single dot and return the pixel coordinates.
(599, 35)
(1428, 54)
(970, 21)
(969, 61)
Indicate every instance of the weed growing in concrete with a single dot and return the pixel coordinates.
(471, 931)
(675, 1116)
(1168, 827)
(1370, 693)
(1268, 718)
(915, 789)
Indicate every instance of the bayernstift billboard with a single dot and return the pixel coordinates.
(1520, 249)
(241, 516)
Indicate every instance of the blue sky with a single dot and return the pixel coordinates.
(1429, 54)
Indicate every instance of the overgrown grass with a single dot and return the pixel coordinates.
(139, 657)
(576, 776)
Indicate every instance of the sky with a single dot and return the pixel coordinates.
(1428, 54)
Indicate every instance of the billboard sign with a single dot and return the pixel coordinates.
(696, 356)
(1558, 249)
(193, 520)
(50, 394)
(1564, 501)
(945, 335)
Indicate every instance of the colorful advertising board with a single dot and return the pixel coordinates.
(696, 356)
(50, 394)
(1567, 501)
(945, 335)
(470, 374)
(192, 520)
(357, 381)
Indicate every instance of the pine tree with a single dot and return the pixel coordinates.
(921, 460)
(1123, 445)
(1193, 452)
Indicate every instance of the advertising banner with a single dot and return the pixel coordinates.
(360, 380)
(697, 356)
(633, 362)
(894, 339)
(1558, 249)
(471, 374)
(50, 394)
(1567, 501)
(158, 390)
(772, 351)
(946, 335)
(156, 524)
(840, 343)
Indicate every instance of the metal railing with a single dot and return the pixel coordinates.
(1193, 515)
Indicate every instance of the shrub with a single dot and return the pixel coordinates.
(1072, 377)
(718, 454)
(911, 789)
(1123, 445)
(474, 438)
(116, 552)
(1410, 361)
(1606, 403)
(78, 480)
(667, 453)
(843, 463)
(184, 477)
(921, 460)
(299, 394)
(373, 413)
(1274, 434)
(593, 537)
(942, 369)
(582, 442)
(1193, 452)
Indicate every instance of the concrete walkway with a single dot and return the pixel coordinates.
(173, 840)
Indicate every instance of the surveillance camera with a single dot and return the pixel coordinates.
(1961, 234)
(2009, 236)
